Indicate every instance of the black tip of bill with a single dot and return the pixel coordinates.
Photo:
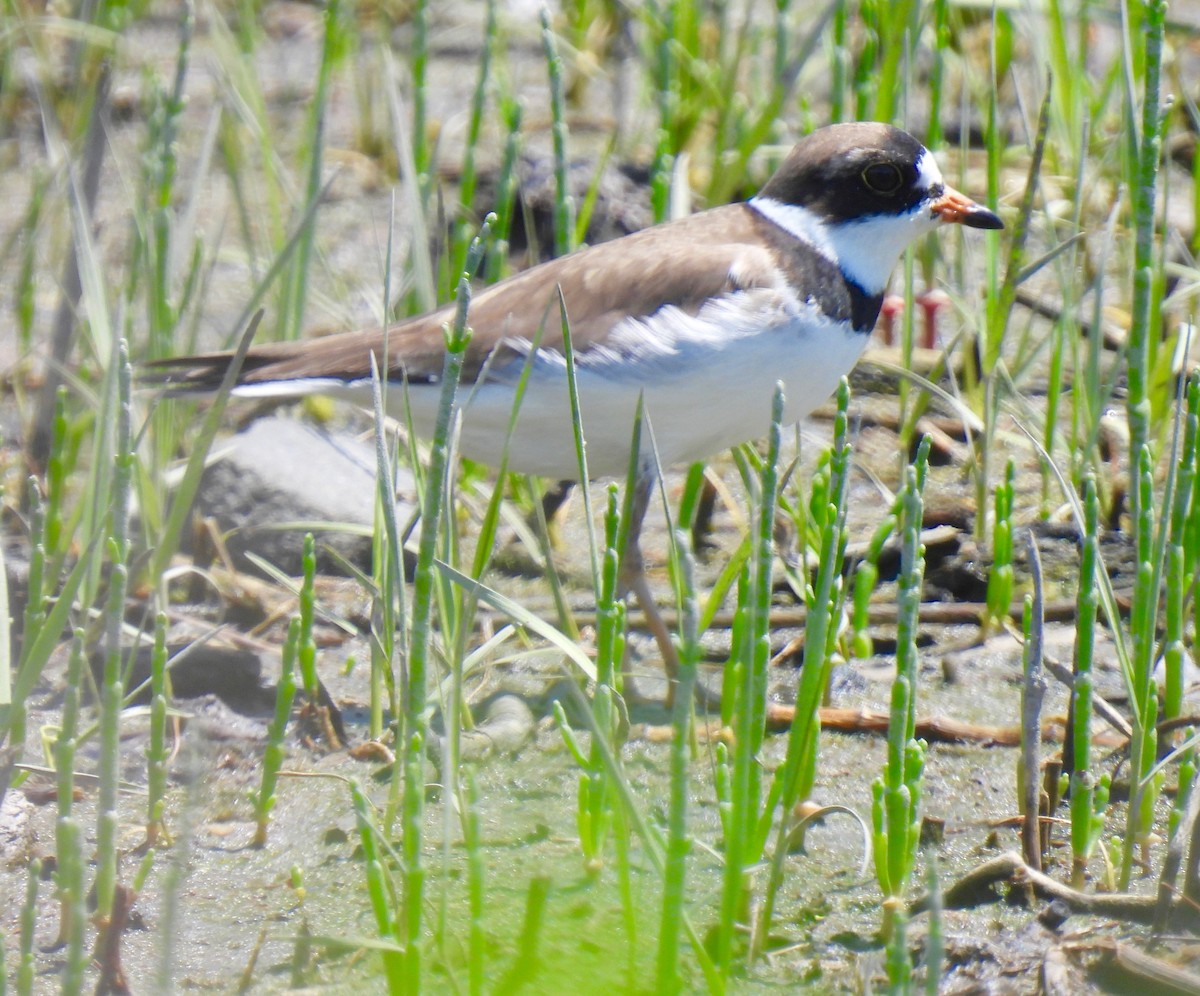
(980, 217)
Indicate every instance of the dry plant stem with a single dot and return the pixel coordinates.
(1174, 859)
(65, 319)
(1155, 974)
(975, 888)
(931, 729)
(1033, 692)
(633, 578)
(108, 953)
(879, 613)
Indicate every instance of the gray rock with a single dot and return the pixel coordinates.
(280, 471)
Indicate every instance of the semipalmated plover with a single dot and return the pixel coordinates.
(701, 317)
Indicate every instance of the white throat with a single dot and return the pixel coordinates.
(867, 250)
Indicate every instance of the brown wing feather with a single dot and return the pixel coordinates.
(604, 284)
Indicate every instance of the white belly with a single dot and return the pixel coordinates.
(708, 384)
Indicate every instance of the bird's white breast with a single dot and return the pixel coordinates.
(707, 379)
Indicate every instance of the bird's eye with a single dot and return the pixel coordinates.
(883, 178)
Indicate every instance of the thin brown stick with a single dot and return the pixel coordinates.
(1154, 974)
(977, 887)
(932, 729)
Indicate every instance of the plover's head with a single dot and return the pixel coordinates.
(860, 193)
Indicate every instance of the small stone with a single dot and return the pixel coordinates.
(933, 831)
(1054, 914)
